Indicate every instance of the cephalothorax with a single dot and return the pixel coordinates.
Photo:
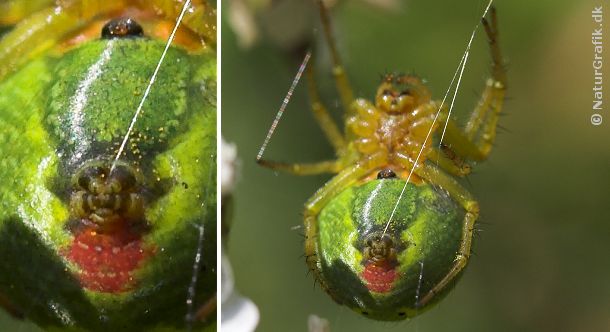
(391, 232)
(102, 190)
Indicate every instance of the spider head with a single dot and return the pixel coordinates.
(399, 93)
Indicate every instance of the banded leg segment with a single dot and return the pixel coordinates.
(451, 165)
(343, 86)
(328, 125)
(491, 29)
(476, 141)
(436, 177)
(331, 166)
(493, 95)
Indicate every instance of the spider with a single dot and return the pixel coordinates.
(390, 233)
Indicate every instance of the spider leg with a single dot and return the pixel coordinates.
(328, 125)
(330, 130)
(343, 179)
(343, 86)
(13, 11)
(315, 204)
(436, 177)
(476, 140)
(330, 166)
(491, 29)
(453, 166)
(45, 28)
(200, 17)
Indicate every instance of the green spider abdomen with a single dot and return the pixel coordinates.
(116, 238)
(381, 273)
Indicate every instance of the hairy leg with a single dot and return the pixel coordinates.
(328, 125)
(476, 140)
(434, 176)
(331, 166)
(315, 204)
(343, 85)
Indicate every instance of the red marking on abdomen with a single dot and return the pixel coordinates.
(106, 261)
(379, 278)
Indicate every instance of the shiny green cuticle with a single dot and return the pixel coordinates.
(60, 113)
(428, 224)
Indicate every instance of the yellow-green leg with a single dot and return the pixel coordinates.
(436, 177)
(45, 28)
(343, 86)
(346, 177)
(328, 125)
(315, 204)
(476, 140)
(450, 165)
(200, 17)
(40, 30)
(12, 11)
(495, 86)
(331, 166)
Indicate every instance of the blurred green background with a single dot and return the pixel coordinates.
(541, 262)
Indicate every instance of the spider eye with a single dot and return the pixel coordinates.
(386, 174)
(386, 92)
(124, 176)
(122, 28)
(405, 92)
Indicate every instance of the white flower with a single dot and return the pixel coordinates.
(227, 167)
(239, 314)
